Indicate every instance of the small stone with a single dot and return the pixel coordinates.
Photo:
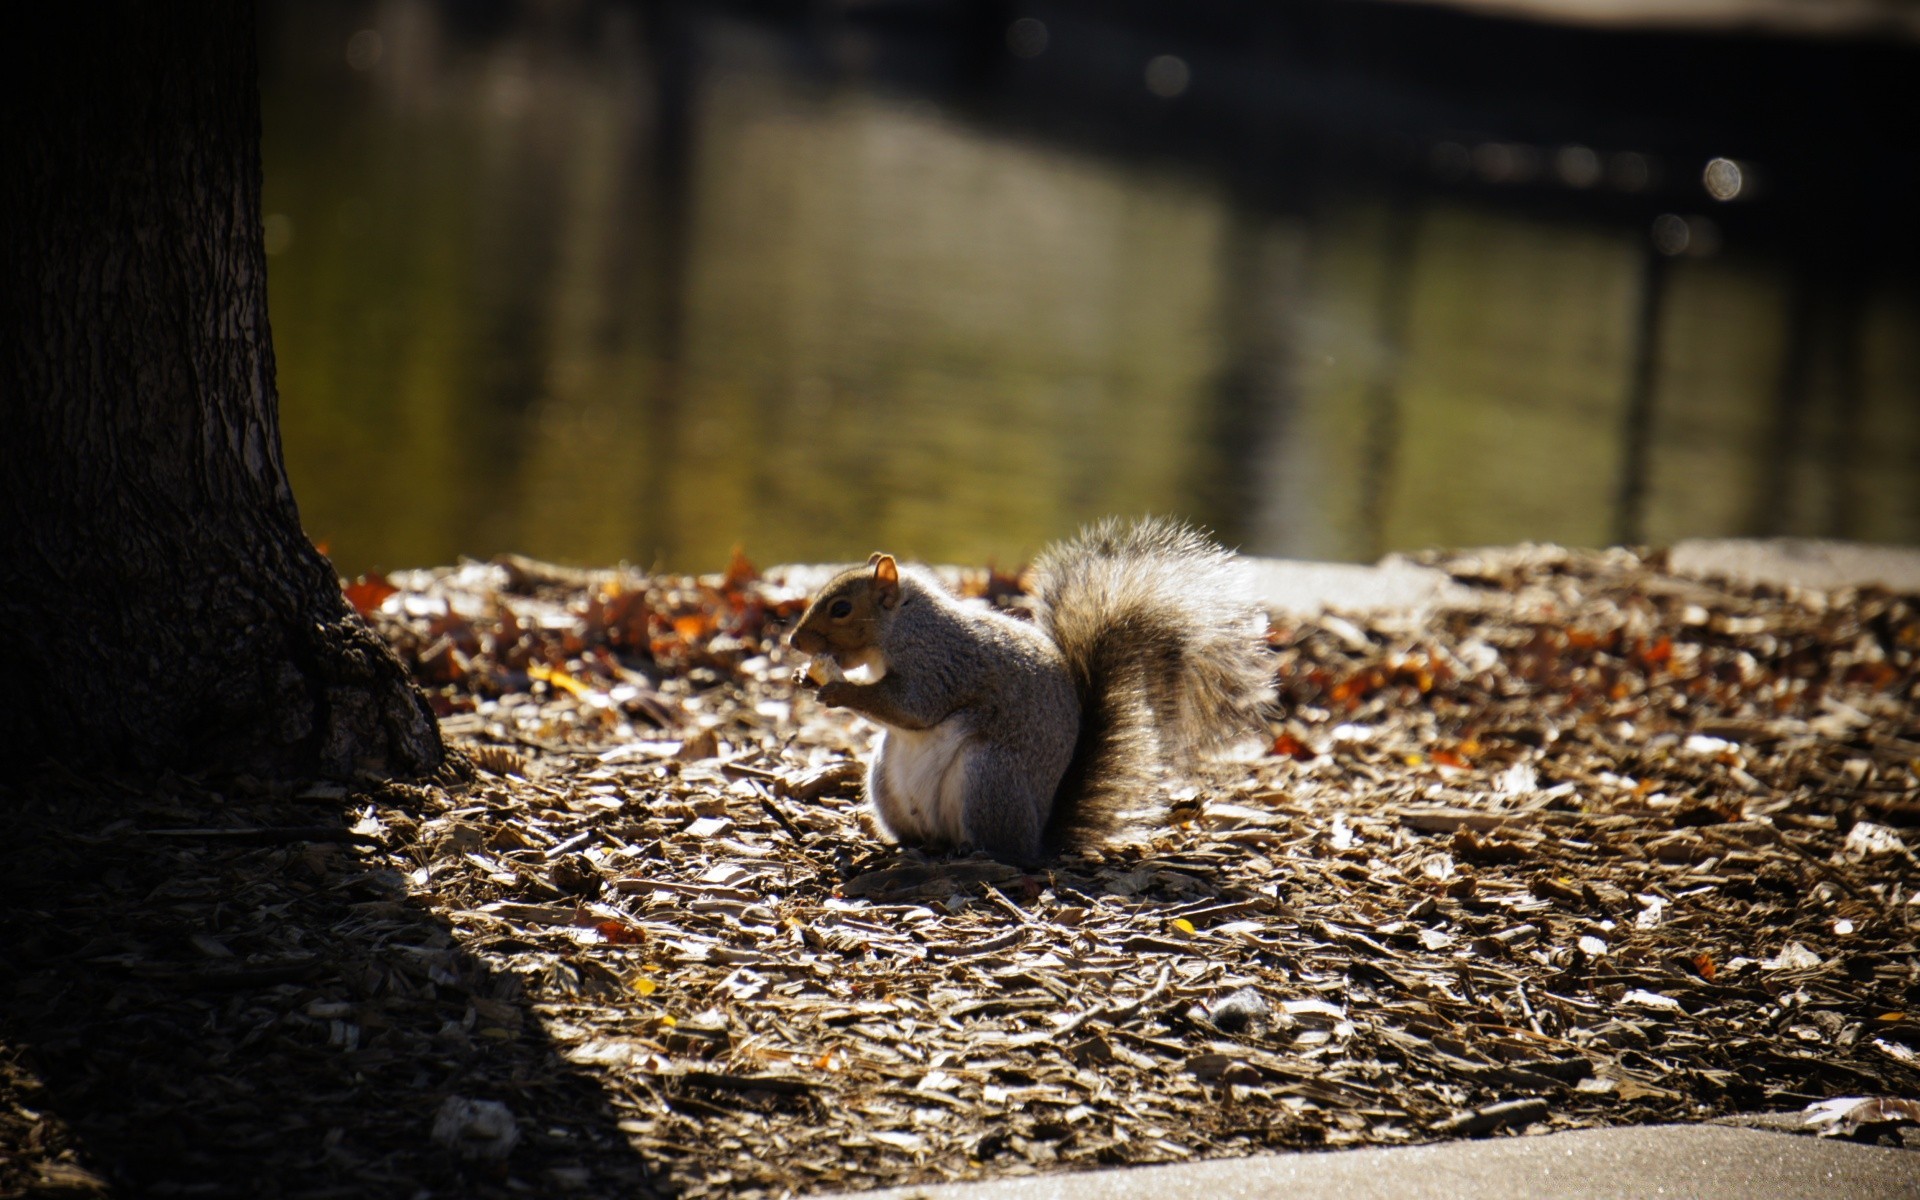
(477, 1130)
(1242, 1012)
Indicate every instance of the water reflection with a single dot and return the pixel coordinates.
(601, 282)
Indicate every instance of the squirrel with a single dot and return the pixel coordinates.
(1021, 738)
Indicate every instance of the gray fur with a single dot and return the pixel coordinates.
(1147, 652)
(1168, 650)
(1010, 690)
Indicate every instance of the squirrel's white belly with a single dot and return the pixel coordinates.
(918, 781)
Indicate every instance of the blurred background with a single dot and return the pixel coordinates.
(597, 281)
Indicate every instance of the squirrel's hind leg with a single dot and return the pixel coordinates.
(1003, 810)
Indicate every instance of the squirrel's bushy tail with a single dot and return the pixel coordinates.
(1168, 651)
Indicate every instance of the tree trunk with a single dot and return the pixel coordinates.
(160, 604)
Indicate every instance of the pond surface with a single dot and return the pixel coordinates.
(602, 285)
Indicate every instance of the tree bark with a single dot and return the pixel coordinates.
(160, 604)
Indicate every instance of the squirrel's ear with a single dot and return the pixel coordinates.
(886, 579)
(875, 557)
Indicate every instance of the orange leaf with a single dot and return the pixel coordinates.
(694, 626)
(622, 616)
(1703, 963)
(1292, 747)
(1872, 674)
(740, 572)
(620, 933)
(368, 592)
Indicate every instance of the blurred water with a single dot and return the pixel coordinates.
(595, 283)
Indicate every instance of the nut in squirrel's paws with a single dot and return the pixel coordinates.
(822, 669)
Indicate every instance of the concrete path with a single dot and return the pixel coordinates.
(1311, 588)
(1394, 585)
(1805, 562)
(1697, 1162)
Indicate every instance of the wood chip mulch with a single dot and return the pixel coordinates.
(1604, 846)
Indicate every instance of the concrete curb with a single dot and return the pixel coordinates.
(1703, 1162)
(1393, 585)
(1310, 588)
(1800, 562)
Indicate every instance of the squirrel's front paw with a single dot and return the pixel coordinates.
(836, 694)
(820, 669)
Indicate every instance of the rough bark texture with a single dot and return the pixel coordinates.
(160, 604)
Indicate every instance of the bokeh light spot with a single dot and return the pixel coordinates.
(1723, 179)
(1168, 76)
(1027, 37)
(1506, 162)
(1675, 235)
(364, 49)
(1577, 166)
(1670, 234)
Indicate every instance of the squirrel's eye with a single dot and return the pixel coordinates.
(840, 608)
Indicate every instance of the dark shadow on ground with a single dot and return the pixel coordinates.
(1178, 885)
(262, 1015)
